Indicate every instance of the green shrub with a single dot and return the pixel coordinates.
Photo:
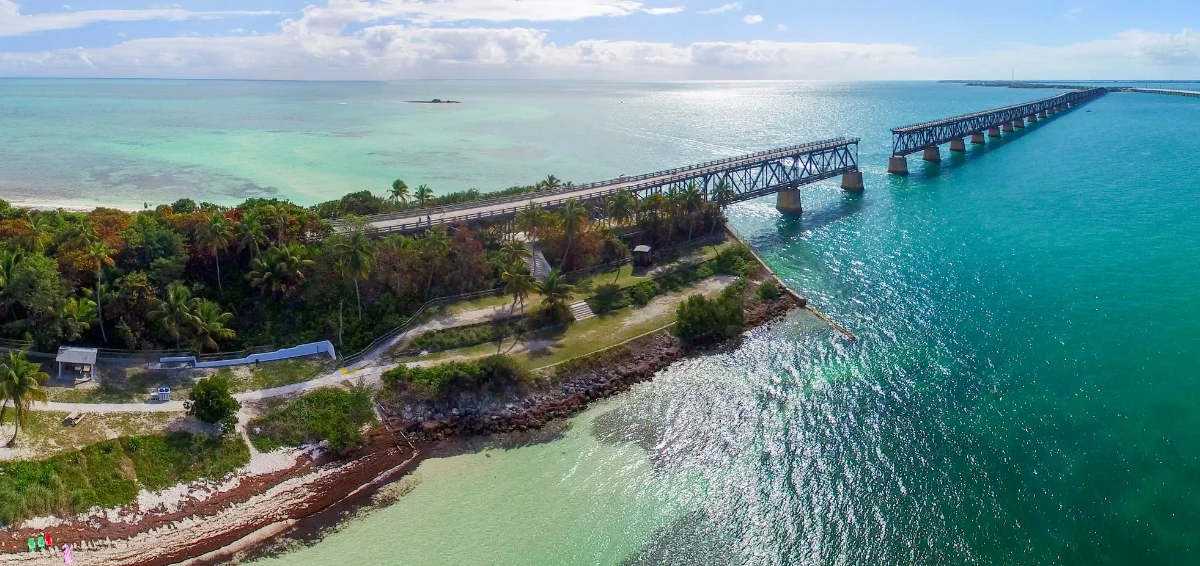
(641, 293)
(490, 375)
(328, 414)
(210, 401)
(736, 260)
(703, 322)
(609, 297)
(454, 338)
(769, 290)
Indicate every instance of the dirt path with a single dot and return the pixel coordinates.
(663, 304)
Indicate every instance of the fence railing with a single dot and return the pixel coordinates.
(620, 184)
(386, 338)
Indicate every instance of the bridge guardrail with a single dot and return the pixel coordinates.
(676, 175)
(915, 137)
(525, 197)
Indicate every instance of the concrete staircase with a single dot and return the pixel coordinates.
(581, 311)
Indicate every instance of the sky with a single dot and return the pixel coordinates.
(601, 39)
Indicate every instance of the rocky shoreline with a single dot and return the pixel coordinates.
(210, 524)
(599, 376)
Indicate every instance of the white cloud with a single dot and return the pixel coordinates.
(316, 45)
(753, 19)
(337, 13)
(13, 22)
(1165, 48)
(723, 8)
(781, 27)
(663, 11)
(237, 30)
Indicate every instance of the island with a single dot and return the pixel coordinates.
(434, 101)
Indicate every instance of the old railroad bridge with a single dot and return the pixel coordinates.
(778, 171)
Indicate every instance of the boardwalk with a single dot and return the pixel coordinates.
(747, 177)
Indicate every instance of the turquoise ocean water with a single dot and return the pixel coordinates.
(1024, 389)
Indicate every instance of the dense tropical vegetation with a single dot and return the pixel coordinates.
(207, 278)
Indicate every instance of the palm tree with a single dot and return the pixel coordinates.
(280, 270)
(9, 259)
(518, 282)
(555, 292)
(514, 253)
(622, 206)
(82, 234)
(20, 382)
(216, 235)
(423, 194)
(356, 256)
(723, 193)
(551, 183)
(174, 312)
(274, 214)
(38, 236)
(529, 219)
(99, 255)
(574, 217)
(437, 245)
(210, 325)
(399, 192)
(692, 200)
(78, 316)
(251, 236)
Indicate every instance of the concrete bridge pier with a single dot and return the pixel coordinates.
(1019, 123)
(977, 138)
(1042, 115)
(994, 133)
(898, 165)
(1007, 127)
(787, 201)
(932, 154)
(1032, 119)
(852, 181)
(957, 145)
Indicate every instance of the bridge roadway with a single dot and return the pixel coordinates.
(1170, 91)
(927, 136)
(781, 171)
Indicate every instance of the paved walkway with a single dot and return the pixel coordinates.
(369, 371)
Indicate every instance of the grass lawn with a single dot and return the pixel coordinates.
(45, 435)
(275, 374)
(110, 473)
(546, 347)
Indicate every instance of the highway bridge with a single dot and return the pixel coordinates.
(777, 171)
(928, 136)
(1171, 91)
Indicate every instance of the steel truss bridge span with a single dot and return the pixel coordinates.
(747, 177)
(917, 137)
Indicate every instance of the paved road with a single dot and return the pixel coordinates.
(1175, 92)
(415, 219)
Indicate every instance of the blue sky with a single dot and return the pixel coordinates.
(607, 39)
